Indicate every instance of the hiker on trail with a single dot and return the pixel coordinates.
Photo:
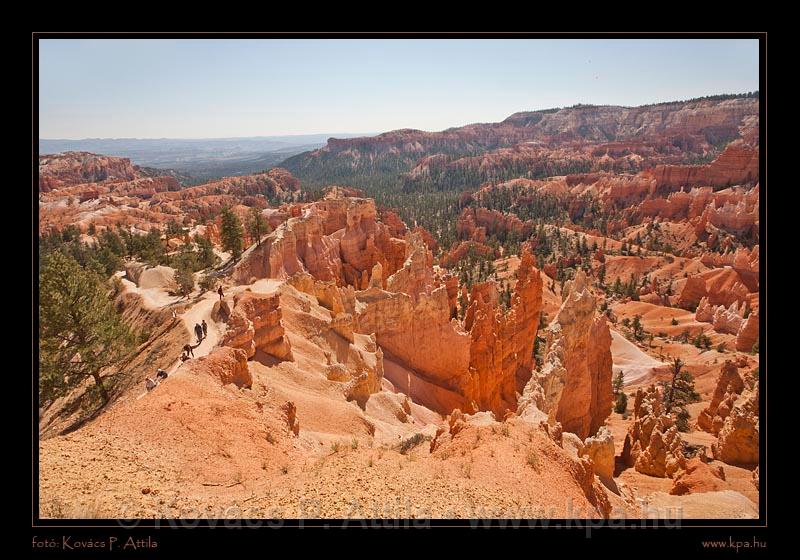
(220, 292)
(204, 325)
(184, 356)
(161, 374)
(150, 384)
(198, 330)
(188, 349)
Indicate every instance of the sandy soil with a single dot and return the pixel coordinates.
(637, 366)
(155, 297)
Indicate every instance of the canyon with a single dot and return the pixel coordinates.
(469, 363)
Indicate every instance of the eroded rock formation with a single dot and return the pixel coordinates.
(729, 387)
(559, 142)
(733, 416)
(738, 438)
(478, 223)
(738, 164)
(748, 333)
(72, 168)
(290, 413)
(600, 449)
(724, 320)
(421, 337)
(228, 365)
(415, 277)
(699, 477)
(255, 325)
(366, 371)
(652, 444)
(573, 385)
(472, 366)
(337, 238)
(501, 349)
(719, 286)
(336, 300)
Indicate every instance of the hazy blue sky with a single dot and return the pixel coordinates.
(223, 88)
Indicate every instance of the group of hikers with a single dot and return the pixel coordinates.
(151, 383)
(200, 331)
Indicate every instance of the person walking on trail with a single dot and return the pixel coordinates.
(204, 325)
(188, 349)
(161, 374)
(150, 384)
(221, 293)
(198, 330)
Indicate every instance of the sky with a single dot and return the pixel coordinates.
(115, 88)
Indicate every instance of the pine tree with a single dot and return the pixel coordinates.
(231, 233)
(618, 382)
(257, 225)
(80, 333)
(112, 240)
(184, 279)
(621, 403)
(149, 247)
(462, 305)
(207, 282)
(682, 420)
(205, 255)
(173, 228)
(680, 391)
(637, 328)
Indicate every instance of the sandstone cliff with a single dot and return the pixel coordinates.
(573, 385)
(477, 363)
(737, 165)
(631, 134)
(501, 349)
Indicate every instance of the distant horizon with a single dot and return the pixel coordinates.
(375, 133)
(259, 136)
(238, 88)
